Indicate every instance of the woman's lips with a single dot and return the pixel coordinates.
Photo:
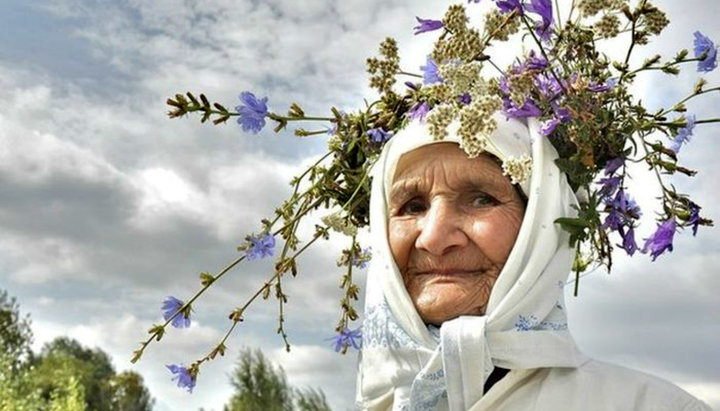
(448, 272)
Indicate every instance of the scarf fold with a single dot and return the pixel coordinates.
(403, 365)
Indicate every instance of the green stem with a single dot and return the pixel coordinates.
(253, 298)
(278, 117)
(405, 73)
(691, 96)
(542, 50)
(360, 184)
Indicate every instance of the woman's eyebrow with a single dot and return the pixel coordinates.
(404, 189)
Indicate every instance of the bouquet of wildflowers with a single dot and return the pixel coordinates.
(581, 95)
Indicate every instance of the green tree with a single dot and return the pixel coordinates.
(92, 367)
(258, 385)
(310, 399)
(130, 393)
(15, 332)
(103, 389)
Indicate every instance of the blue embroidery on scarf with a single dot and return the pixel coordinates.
(381, 330)
(531, 323)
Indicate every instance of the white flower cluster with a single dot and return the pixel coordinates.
(518, 168)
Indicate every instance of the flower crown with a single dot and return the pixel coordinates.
(580, 95)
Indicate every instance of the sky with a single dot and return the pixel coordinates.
(107, 206)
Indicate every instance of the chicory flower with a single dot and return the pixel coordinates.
(183, 376)
(252, 112)
(704, 45)
(347, 338)
(260, 247)
(430, 72)
(170, 306)
(683, 135)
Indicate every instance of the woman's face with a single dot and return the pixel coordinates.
(453, 221)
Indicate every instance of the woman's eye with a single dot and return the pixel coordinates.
(413, 207)
(483, 200)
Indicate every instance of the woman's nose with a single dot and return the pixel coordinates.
(441, 229)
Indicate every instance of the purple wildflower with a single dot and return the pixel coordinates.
(347, 338)
(170, 306)
(464, 99)
(506, 6)
(419, 111)
(704, 45)
(548, 86)
(612, 165)
(427, 25)
(535, 62)
(378, 135)
(694, 216)
(411, 85)
(260, 247)
(544, 9)
(549, 126)
(627, 205)
(683, 135)
(252, 112)
(363, 258)
(609, 186)
(661, 239)
(529, 109)
(629, 244)
(607, 86)
(430, 72)
(613, 221)
(183, 376)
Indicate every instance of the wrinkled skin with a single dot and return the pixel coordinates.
(452, 223)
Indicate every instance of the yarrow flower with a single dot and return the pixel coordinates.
(683, 135)
(430, 72)
(170, 306)
(704, 45)
(184, 377)
(260, 247)
(252, 112)
(427, 25)
(347, 338)
(378, 135)
(661, 239)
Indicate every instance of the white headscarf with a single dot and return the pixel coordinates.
(406, 365)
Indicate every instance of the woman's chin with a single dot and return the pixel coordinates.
(443, 301)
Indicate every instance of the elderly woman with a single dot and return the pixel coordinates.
(464, 307)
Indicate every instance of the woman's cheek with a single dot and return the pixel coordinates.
(401, 238)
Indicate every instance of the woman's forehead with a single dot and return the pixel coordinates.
(419, 168)
(443, 157)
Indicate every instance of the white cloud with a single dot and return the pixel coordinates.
(107, 190)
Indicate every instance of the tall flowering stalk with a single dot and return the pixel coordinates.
(580, 94)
